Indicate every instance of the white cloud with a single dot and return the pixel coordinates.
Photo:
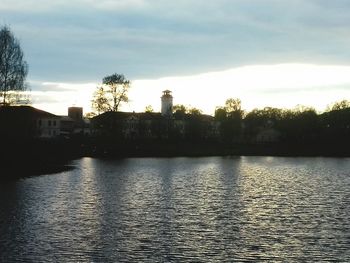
(57, 97)
(283, 85)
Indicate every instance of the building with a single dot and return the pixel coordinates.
(48, 126)
(167, 104)
(28, 122)
(164, 125)
(76, 113)
(75, 123)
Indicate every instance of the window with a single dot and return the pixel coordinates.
(39, 122)
(54, 123)
(49, 122)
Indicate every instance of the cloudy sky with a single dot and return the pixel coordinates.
(265, 52)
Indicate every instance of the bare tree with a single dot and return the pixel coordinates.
(13, 68)
(112, 92)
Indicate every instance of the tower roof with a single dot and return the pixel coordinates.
(167, 94)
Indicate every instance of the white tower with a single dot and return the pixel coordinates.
(167, 103)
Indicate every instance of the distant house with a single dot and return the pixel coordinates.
(127, 125)
(131, 125)
(28, 122)
(67, 126)
(48, 126)
(163, 125)
(74, 123)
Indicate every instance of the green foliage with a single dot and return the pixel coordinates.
(111, 94)
(181, 110)
(195, 111)
(90, 115)
(233, 105)
(300, 126)
(296, 125)
(149, 109)
(230, 118)
(220, 113)
(339, 105)
(100, 102)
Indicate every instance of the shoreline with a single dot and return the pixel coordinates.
(49, 157)
(188, 149)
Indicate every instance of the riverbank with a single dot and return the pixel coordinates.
(25, 158)
(30, 158)
(192, 149)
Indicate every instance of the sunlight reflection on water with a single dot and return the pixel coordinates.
(211, 209)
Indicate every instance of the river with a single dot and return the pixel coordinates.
(213, 209)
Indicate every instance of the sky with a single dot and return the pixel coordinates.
(265, 52)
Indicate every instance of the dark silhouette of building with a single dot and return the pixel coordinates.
(75, 113)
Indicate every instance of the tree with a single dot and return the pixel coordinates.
(220, 113)
(233, 108)
(13, 68)
(100, 102)
(339, 105)
(180, 108)
(90, 115)
(195, 111)
(230, 117)
(149, 109)
(111, 94)
(180, 111)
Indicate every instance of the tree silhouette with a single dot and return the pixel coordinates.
(194, 111)
(149, 109)
(230, 118)
(112, 92)
(13, 68)
(340, 105)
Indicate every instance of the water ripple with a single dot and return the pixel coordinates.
(181, 210)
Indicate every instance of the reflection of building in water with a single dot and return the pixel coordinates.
(167, 103)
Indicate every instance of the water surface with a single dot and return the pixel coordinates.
(211, 209)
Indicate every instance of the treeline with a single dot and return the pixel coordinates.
(231, 131)
(299, 125)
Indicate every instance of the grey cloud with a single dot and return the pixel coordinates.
(37, 86)
(149, 39)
